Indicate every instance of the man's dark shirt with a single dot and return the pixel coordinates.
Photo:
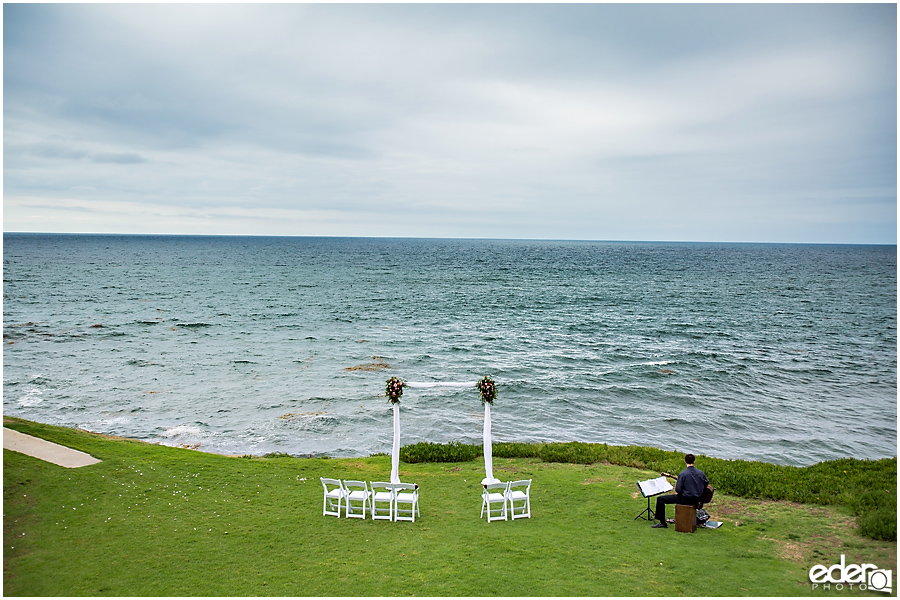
(691, 483)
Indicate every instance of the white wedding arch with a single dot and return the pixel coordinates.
(488, 392)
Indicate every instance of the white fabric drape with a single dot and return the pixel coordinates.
(434, 384)
(488, 458)
(395, 451)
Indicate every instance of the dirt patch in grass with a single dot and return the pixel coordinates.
(598, 479)
(792, 551)
(508, 469)
(802, 533)
(731, 506)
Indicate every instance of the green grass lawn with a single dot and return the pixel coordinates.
(159, 521)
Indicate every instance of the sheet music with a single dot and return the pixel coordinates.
(652, 487)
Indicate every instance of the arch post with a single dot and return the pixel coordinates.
(393, 391)
(488, 453)
(395, 450)
(488, 393)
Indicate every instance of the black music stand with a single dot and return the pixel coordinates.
(650, 488)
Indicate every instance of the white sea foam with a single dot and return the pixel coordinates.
(31, 398)
(179, 431)
(113, 422)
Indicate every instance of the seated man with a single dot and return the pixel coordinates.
(688, 490)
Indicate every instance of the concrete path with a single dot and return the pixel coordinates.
(44, 450)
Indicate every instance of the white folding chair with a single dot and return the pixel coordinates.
(358, 496)
(519, 497)
(382, 493)
(494, 495)
(406, 493)
(334, 496)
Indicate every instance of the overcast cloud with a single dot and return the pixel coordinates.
(587, 121)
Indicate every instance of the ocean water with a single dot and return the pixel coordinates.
(249, 345)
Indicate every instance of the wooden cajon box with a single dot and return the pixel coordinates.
(685, 518)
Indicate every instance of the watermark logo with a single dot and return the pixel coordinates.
(861, 577)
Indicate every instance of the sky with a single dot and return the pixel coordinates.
(667, 122)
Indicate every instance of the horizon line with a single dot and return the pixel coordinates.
(507, 239)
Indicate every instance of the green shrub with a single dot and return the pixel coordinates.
(428, 452)
(571, 452)
(868, 500)
(879, 524)
(516, 450)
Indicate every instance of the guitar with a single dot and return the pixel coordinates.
(705, 497)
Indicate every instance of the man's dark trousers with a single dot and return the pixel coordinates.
(661, 502)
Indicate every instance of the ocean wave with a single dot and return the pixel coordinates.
(182, 431)
(31, 398)
(186, 436)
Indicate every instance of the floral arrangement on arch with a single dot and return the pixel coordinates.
(394, 389)
(488, 390)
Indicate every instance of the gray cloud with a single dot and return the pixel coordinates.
(52, 150)
(701, 122)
